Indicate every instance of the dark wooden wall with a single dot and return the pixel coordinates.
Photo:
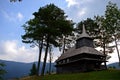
(81, 66)
(84, 42)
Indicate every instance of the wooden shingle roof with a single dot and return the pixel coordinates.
(73, 51)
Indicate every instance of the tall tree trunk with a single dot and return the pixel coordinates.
(45, 58)
(50, 54)
(63, 46)
(104, 54)
(117, 50)
(39, 59)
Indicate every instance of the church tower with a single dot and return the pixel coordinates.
(84, 40)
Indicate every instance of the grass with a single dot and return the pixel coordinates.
(95, 75)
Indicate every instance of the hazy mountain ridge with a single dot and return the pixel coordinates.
(116, 65)
(19, 69)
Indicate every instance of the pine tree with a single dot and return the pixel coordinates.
(33, 70)
(49, 25)
(2, 71)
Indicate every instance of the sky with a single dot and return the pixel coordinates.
(14, 14)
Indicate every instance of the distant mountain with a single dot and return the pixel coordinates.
(19, 69)
(116, 65)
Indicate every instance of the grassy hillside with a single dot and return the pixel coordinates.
(96, 75)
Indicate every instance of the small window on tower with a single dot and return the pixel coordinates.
(63, 61)
(59, 62)
(67, 60)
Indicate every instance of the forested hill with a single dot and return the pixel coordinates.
(19, 69)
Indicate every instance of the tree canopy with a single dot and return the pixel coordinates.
(110, 25)
(15, 0)
(49, 25)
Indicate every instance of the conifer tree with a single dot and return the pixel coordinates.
(33, 70)
(2, 71)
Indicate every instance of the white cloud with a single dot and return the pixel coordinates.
(71, 2)
(77, 2)
(82, 12)
(10, 46)
(13, 17)
(19, 16)
(79, 9)
(114, 58)
(84, 1)
(8, 16)
(10, 50)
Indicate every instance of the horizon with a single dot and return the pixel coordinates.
(42, 62)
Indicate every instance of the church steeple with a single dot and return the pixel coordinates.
(84, 39)
(83, 29)
(84, 33)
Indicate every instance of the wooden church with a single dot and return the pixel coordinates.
(83, 57)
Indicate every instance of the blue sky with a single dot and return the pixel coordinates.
(14, 15)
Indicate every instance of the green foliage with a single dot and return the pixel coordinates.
(114, 67)
(109, 24)
(33, 71)
(112, 20)
(2, 71)
(50, 21)
(15, 0)
(54, 22)
(96, 75)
